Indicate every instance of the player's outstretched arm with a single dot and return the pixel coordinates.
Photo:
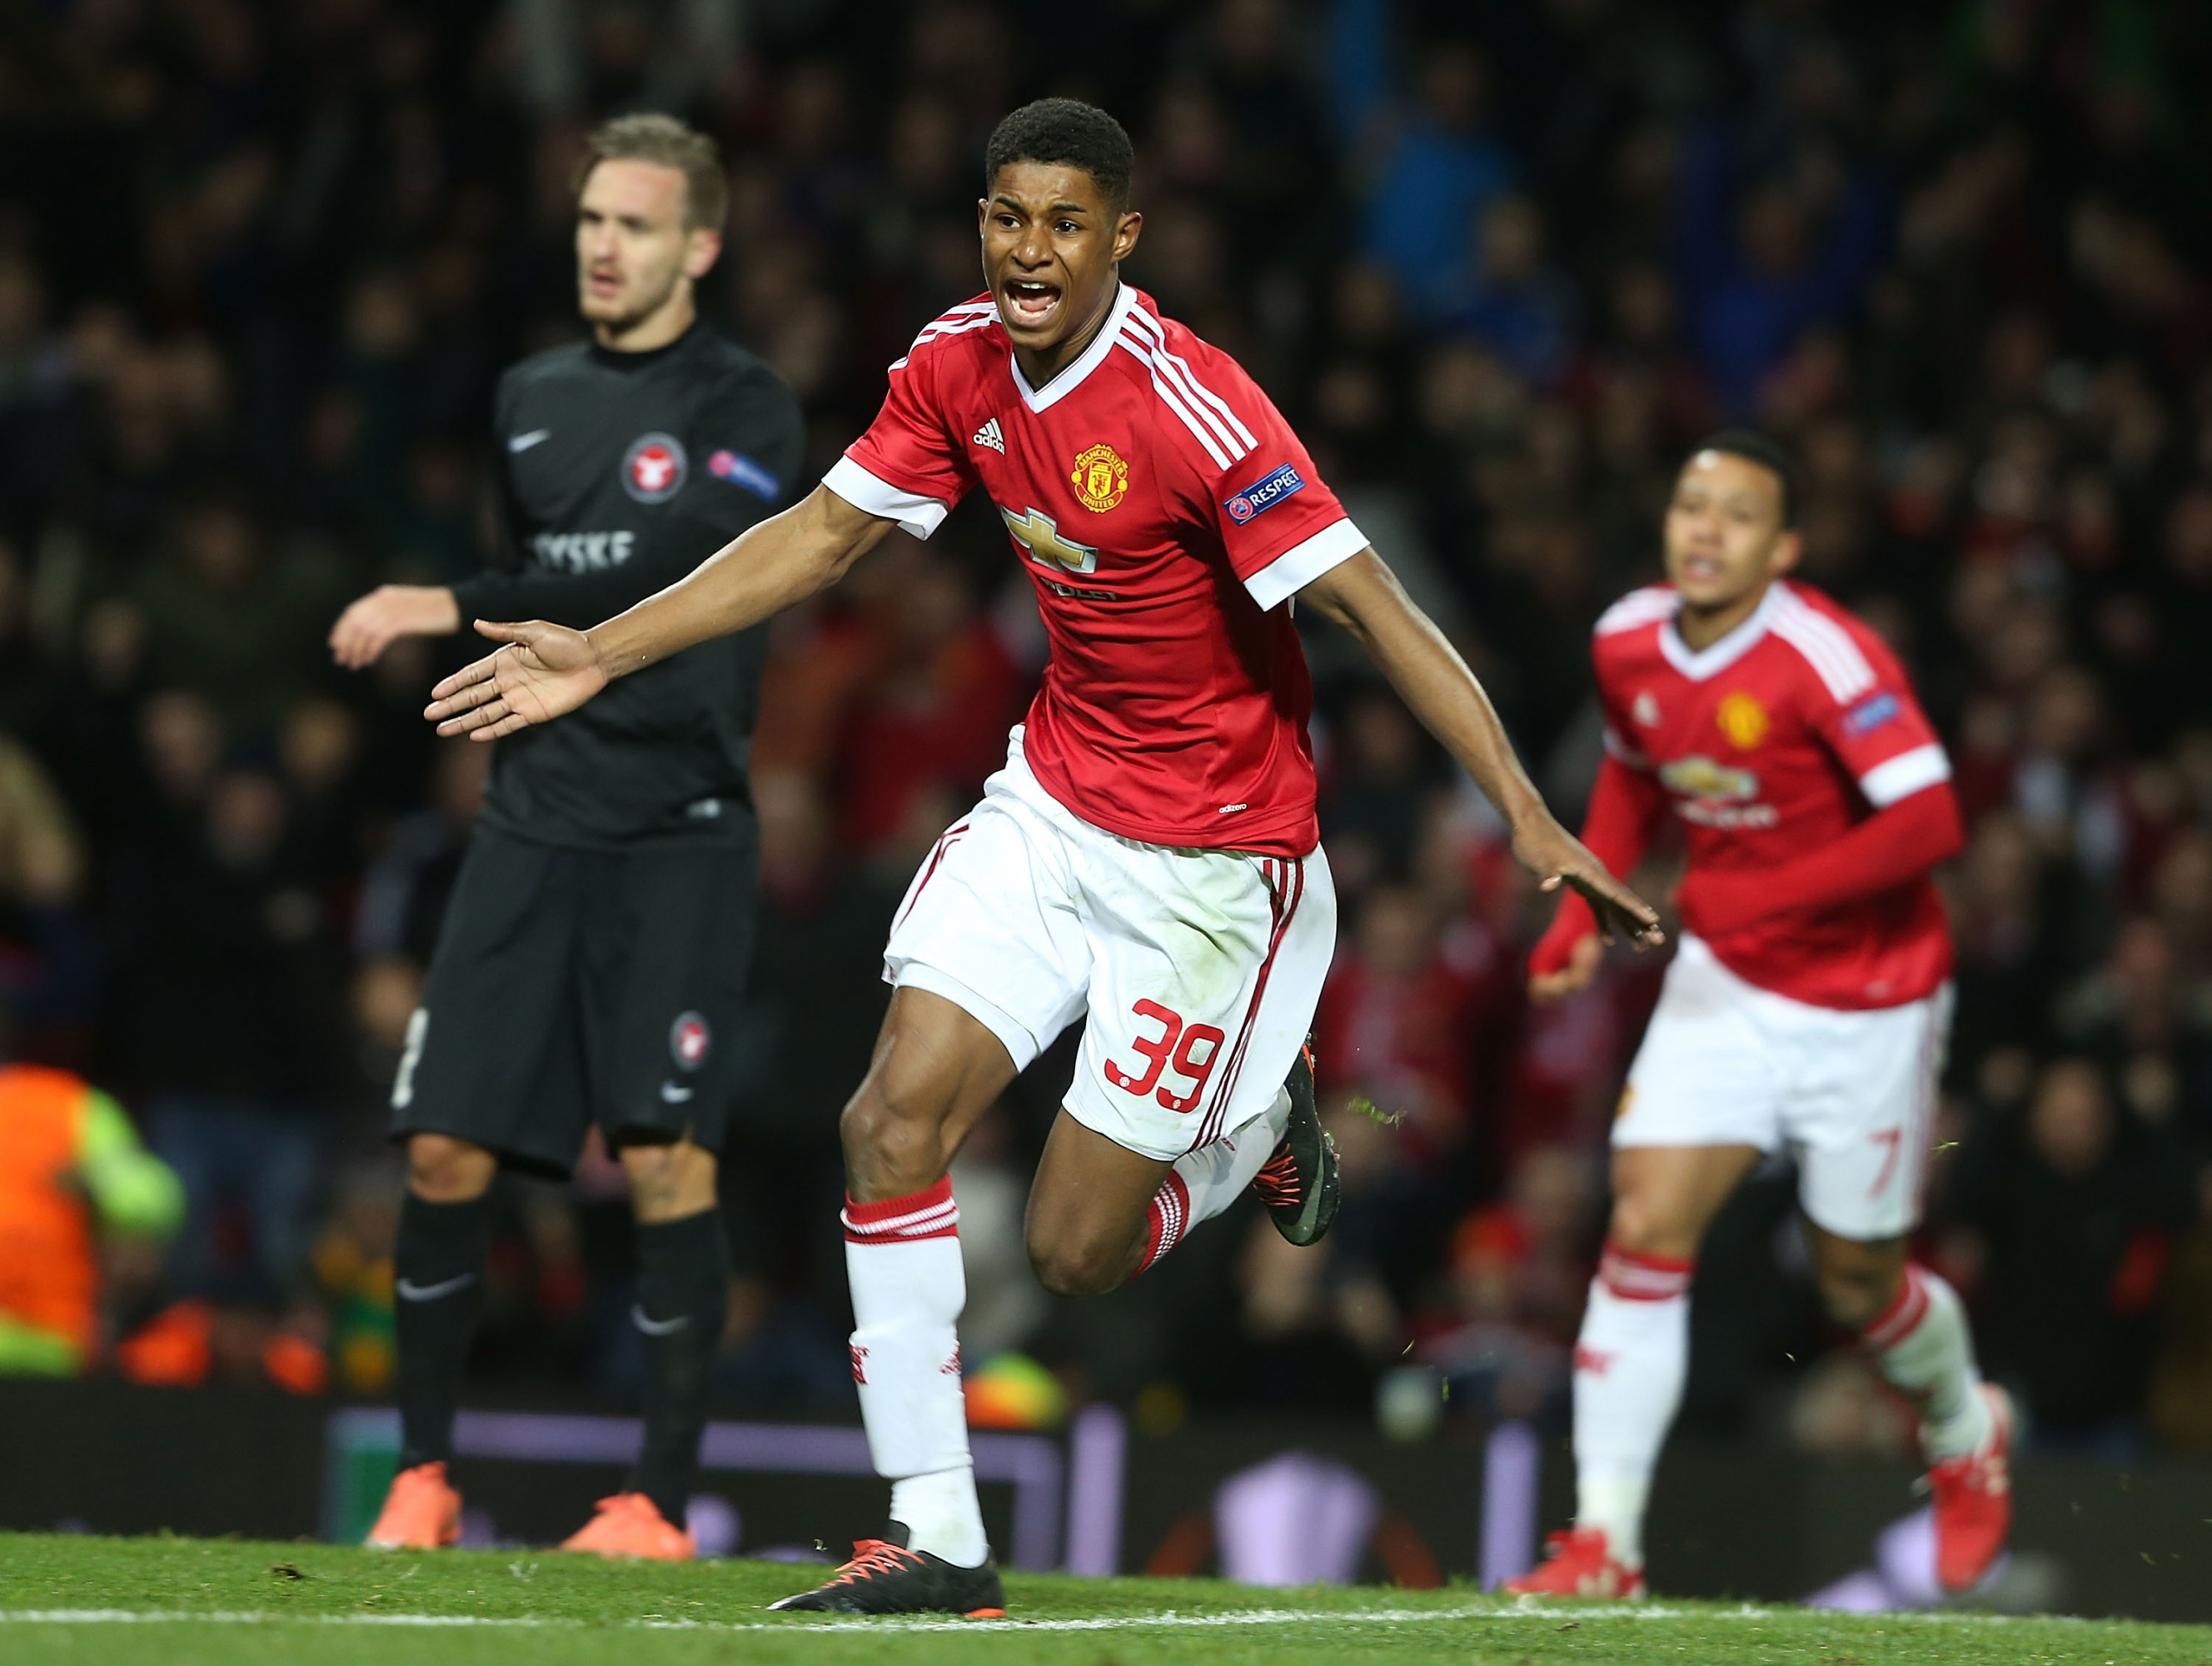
(1364, 596)
(546, 670)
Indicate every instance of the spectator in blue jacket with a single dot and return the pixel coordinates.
(1433, 169)
(1759, 267)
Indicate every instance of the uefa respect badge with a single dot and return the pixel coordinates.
(1262, 494)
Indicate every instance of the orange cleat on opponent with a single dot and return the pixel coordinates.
(630, 1525)
(1580, 1563)
(421, 1511)
(1973, 1501)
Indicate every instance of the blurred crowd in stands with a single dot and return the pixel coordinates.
(1501, 263)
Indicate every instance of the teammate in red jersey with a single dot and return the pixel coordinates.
(1806, 1007)
(1148, 856)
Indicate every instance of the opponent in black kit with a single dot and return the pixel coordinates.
(595, 949)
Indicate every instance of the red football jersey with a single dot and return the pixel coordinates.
(1165, 512)
(1778, 739)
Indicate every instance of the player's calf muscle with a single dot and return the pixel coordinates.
(1084, 1272)
(1084, 1263)
(1086, 1229)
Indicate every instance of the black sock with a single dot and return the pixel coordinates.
(683, 1303)
(438, 1274)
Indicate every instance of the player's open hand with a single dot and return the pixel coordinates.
(1557, 858)
(543, 671)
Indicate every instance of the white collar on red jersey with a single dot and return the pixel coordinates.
(1093, 356)
(1716, 657)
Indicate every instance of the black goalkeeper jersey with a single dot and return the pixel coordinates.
(620, 472)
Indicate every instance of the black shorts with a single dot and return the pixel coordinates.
(575, 986)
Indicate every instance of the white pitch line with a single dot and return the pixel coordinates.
(252, 1617)
(1168, 1620)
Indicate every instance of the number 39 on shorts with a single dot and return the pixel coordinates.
(1179, 1051)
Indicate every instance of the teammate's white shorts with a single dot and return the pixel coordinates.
(1199, 969)
(1851, 1093)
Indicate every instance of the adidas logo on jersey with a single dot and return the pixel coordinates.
(988, 435)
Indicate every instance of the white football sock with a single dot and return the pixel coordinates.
(902, 1257)
(1631, 1361)
(1207, 1181)
(1923, 1348)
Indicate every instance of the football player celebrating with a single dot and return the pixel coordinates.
(1149, 856)
(1806, 1005)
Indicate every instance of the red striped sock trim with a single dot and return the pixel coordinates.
(1636, 1277)
(1903, 1316)
(1166, 1221)
(930, 1214)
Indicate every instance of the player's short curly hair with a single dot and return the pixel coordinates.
(1768, 453)
(654, 137)
(1070, 132)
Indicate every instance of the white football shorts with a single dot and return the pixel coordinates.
(1199, 970)
(1850, 1093)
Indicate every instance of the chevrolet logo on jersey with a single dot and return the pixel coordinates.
(1702, 778)
(1038, 533)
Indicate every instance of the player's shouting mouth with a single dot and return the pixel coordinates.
(1031, 303)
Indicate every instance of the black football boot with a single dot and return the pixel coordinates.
(1299, 1183)
(884, 1576)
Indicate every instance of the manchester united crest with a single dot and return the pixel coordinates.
(1743, 720)
(1100, 478)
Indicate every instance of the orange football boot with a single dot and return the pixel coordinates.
(1973, 1501)
(1580, 1563)
(629, 1525)
(421, 1511)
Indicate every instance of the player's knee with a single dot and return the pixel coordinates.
(648, 1160)
(1641, 1228)
(668, 1178)
(872, 1123)
(443, 1170)
(892, 1127)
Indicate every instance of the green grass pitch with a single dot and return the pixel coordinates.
(227, 1603)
